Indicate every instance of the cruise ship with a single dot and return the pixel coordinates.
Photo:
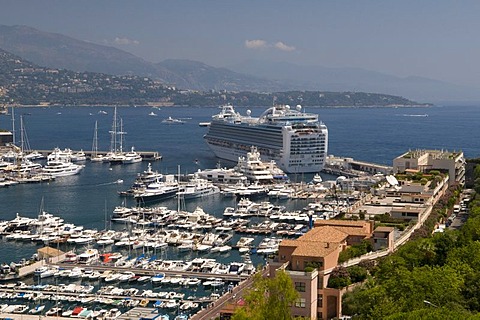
(295, 140)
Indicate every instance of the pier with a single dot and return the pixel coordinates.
(151, 272)
(146, 155)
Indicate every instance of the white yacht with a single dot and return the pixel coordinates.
(61, 168)
(198, 188)
(158, 191)
(171, 120)
(79, 156)
(60, 155)
(222, 175)
(258, 171)
(132, 157)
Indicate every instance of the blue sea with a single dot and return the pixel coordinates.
(376, 134)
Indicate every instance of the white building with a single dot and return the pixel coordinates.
(426, 160)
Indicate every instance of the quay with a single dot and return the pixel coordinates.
(350, 168)
(83, 295)
(146, 155)
(135, 313)
(150, 272)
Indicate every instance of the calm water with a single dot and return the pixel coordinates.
(370, 134)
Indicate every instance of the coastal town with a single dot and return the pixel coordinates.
(373, 207)
(239, 160)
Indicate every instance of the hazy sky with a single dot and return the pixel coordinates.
(436, 39)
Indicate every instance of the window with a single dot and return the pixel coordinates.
(300, 303)
(300, 286)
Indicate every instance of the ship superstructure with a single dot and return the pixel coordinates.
(296, 140)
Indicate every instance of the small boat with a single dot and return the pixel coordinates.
(20, 308)
(157, 278)
(67, 313)
(153, 114)
(76, 311)
(144, 279)
(38, 309)
(55, 311)
(85, 313)
(143, 303)
(171, 120)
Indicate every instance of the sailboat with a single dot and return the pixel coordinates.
(25, 144)
(95, 156)
(24, 165)
(116, 155)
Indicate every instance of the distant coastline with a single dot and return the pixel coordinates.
(423, 105)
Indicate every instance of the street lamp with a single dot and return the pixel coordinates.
(430, 304)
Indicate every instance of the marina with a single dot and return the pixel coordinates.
(90, 198)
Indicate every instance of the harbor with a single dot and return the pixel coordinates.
(90, 199)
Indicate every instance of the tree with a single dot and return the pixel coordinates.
(357, 273)
(339, 278)
(268, 298)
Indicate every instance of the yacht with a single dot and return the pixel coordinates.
(296, 140)
(171, 120)
(131, 157)
(89, 256)
(222, 175)
(60, 155)
(258, 171)
(158, 191)
(253, 191)
(198, 188)
(25, 165)
(116, 158)
(60, 168)
(79, 156)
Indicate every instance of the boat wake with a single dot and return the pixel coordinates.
(119, 181)
(413, 115)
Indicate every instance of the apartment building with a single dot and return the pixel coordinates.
(426, 160)
(310, 259)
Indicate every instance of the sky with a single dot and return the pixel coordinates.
(436, 39)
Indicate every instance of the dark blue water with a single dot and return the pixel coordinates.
(370, 134)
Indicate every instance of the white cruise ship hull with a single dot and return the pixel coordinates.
(295, 140)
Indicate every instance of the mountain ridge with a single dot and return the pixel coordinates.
(56, 50)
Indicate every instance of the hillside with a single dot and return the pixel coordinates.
(356, 79)
(25, 83)
(62, 52)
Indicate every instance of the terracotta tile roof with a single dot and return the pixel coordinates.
(350, 223)
(314, 249)
(353, 231)
(384, 229)
(325, 234)
(289, 243)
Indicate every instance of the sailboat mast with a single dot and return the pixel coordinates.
(95, 140)
(13, 124)
(178, 189)
(115, 130)
(22, 138)
(121, 135)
